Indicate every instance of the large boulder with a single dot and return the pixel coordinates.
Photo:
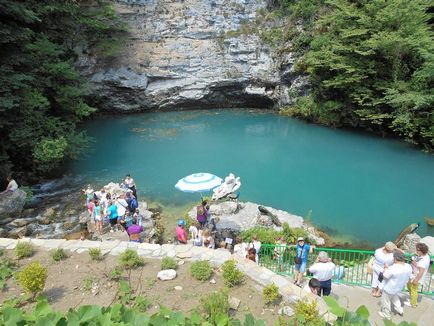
(12, 203)
(409, 243)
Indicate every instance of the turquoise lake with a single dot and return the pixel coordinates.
(358, 187)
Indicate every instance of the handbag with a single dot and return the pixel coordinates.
(297, 259)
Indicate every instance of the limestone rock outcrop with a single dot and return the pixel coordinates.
(12, 203)
(192, 54)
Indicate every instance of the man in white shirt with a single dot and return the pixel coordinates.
(395, 278)
(12, 185)
(322, 270)
(122, 205)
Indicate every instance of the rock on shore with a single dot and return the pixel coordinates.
(12, 203)
(236, 217)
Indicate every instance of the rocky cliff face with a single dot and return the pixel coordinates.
(191, 54)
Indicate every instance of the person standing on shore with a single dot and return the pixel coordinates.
(131, 184)
(112, 212)
(420, 266)
(302, 251)
(181, 234)
(395, 279)
(12, 185)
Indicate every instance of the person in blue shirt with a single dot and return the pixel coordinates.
(112, 212)
(302, 251)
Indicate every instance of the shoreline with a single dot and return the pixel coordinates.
(48, 199)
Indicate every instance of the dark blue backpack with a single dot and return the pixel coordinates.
(134, 204)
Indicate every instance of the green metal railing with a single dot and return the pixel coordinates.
(352, 263)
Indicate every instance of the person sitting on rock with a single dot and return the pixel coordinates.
(134, 231)
(12, 185)
(208, 240)
(181, 234)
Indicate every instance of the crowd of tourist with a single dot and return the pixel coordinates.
(391, 274)
(118, 210)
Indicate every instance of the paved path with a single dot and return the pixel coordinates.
(355, 296)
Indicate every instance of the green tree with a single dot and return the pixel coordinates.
(43, 95)
(371, 65)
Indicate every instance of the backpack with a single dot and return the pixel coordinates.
(134, 204)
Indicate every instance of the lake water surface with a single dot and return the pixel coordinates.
(357, 186)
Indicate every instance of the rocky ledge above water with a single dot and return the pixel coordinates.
(235, 217)
(191, 54)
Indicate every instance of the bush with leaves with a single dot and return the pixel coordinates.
(116, 314)
(231, 274)
(95, 254)
(129, 259)
(24, 249)
(265, 235)
(271, 294)
(32, 278)
(306, 313)
(7, 268)
(168, 263)
(115, 274)
(201, 270)
(215, 305)
(58, 254)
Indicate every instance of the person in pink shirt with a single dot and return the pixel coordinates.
(90, 207)
(181, 234)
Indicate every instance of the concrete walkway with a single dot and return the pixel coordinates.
(352, 297)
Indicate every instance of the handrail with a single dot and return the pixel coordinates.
(351, 264)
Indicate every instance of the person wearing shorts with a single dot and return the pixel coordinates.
(112, 212)
(302, 251)
(97, 217)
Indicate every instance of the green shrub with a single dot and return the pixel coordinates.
(7, 268)
(271, 294)
(32, 278)
(214, 305)
(307, 313)
(168, 263)
(115, 274)
(130, 259)
(88, 283)
(291, 234)
(231, 274)
(58, 254)
(265, 235)
(95, 254)
(201, 270)
(24, 249)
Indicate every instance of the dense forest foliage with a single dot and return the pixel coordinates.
(42, 97)
(370, 64)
